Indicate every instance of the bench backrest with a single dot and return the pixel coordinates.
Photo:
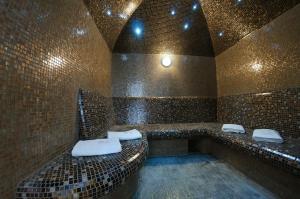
(96, 114)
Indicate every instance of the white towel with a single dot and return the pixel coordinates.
(233, 128)
(266, 135)
(96, 147)
(125, 135)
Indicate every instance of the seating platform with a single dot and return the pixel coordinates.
(285, 155)
(85, 177)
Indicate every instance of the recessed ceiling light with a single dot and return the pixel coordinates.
(221, 34)
(108, 13)
(173, 12)
(195, 6)
(137, 28)
(186, 26)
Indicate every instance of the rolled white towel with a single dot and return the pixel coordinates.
(96, 147)
(233, 128)
(125, 135)
(267, 135)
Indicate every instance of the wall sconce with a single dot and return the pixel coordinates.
(166, 61)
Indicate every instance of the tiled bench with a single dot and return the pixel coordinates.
(85, 177)
(286, 155)
(275, 166)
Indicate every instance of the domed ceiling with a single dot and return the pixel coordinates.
(189, 27)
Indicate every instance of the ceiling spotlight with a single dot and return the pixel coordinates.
(195, 6)
(137, 28)
(166, 61)
(138, 31)
(173, 12)
(108, 12)
(186, 26)
(221, 34)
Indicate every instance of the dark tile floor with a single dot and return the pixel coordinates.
(195, 176)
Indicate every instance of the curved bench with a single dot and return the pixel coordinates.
(85, 177)
(286, 155)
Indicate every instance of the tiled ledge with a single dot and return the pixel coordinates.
(285, 156)
(85, 177)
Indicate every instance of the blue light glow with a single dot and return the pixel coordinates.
(173, 12)
(221, 34)
(238, 2)
(108, 13)
(195, 6)
(138, 31)
(137, 28)
(186, 26)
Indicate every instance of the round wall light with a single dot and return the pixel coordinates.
(166, 61)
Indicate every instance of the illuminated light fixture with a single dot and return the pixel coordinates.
(173, 12)
(166, 61)
(137, 28)
(138, 31)
(186, 26)
(195, 6)
(221, 34)
(108, 12)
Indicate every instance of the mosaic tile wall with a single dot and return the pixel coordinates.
(164, 31)
(231, 20)
(111, 16)
(140, 75)
(267, 59)
(258, 78)
(278, 110)
(96, 115)
(146, 92)
(48, 50)
(152, 110)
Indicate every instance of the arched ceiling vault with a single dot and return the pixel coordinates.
(213, 27)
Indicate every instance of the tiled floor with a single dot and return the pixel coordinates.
(195, 176)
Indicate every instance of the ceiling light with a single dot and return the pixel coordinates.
(195, 6)
(186, 26)
(221, 34)
(166, 61)
(108, 13)
(173, 12)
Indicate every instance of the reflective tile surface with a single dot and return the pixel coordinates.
(195, 176)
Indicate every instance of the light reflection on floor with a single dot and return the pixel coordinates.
(195, 176)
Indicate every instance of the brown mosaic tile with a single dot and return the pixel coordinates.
(231, 20)
(111, 16)
(96, 114)
(279, 110)
(143, 110)
(164, 32)
(140, 75)
(282, 156)
(85, 177)
(48, 50)
(267, 59)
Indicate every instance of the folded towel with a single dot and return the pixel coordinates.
(96, 147)
(233, 128)
(266, 135)
(125, 135)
